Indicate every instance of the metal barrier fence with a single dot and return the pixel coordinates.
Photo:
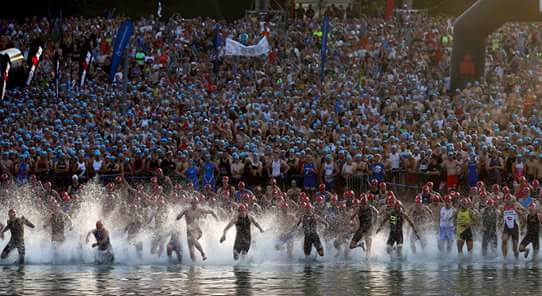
(405, 184)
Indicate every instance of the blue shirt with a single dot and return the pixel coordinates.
(377, 170)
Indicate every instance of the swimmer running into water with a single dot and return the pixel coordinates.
(16, 226)
(242, 222)
(193, 231)
(102, 242)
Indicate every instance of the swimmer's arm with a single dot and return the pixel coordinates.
(407, 218)
(454, 217)
(223, 238)
(298, 223)
(209, 212)
(69, 222)
(475, 214)
(48, 222)
(88, 235)
(256, 223)
(382, 223)
(375, 211)
(181, 215)
(429, 211)
(353, 216)
(322, 220)
(6, 228)
(28, 223)
(131, 189)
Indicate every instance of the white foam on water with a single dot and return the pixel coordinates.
(39, 249)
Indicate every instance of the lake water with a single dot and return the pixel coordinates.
(317, 278)
(70, 270)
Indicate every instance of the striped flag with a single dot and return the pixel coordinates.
(85, 67)
(4, 59)
(35, 60)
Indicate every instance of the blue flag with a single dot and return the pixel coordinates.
(123, 37)
(323, 52)
(218, 42)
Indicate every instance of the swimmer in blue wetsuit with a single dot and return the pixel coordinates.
(192, 174)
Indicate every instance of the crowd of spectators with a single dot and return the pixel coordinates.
(383, 110)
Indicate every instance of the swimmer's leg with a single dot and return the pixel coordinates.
(22, 251)
(7, 249)
(504, 245)
(196, 244)
(139, 249)
(191, 250)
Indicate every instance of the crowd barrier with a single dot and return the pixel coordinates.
(403, 183)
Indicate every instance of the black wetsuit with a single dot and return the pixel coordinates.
(16, 227)
(533, 228)
(105, 247)
(365, 216)
(311, 235)
(58, 223)
(242, 237)
(99, 235)
(395, 219)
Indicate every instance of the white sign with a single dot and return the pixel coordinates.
(235, 48)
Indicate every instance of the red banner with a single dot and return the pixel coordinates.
(390, 5)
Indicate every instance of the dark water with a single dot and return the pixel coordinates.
(490, 278)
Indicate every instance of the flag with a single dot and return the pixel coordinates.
(217, 41)
(323, 51)
(5, 66)
(35, 59)
(85, 60)
(234, 48)
(159, 11)
(121, 41)
(57, 71)
(85, 67)
(388, 13)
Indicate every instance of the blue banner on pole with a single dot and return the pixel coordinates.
(123, 37)
(323, 51)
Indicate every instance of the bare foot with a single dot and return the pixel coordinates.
(203, 257)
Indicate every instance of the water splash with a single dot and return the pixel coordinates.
(40, 250)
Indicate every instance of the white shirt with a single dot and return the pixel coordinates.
(275, 168)
(446, 217)
(97, 165)
(395, 161)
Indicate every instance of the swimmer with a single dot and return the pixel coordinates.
(242, 222)
(193, 231)
(103, 242)
(16, 226)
